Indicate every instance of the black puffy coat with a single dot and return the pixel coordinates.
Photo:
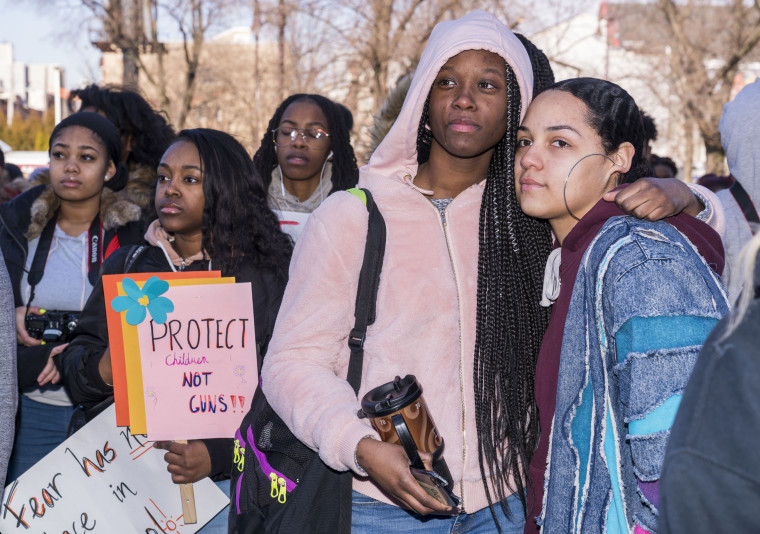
(23, 218)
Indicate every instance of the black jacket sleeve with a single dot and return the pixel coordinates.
(220, 452)
(33, 361)
(711, 473)
(78, 363)
(268, 290)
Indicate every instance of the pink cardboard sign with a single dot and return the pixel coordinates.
(199, 366)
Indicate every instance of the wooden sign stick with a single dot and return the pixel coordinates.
(189, 515)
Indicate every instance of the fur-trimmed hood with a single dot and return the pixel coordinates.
(382, 122)
(115, 211)
(24, 218)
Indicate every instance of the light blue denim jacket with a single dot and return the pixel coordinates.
(643, 302)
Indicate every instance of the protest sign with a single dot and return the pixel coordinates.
(103, 479)
(125, 360)
(199, 364)
(133, 365)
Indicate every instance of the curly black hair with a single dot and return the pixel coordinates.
(650, 128)
(614, 115)
(233, 230)
(510, 323)
(148, 130)
(655, 160)
(340, 121)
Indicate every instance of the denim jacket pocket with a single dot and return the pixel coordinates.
(648, 452)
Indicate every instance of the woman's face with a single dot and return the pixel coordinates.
(79, 164)
(468, 103)
(554, 136)
(302, 159)
(179, 191)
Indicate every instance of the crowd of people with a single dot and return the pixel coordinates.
(562, 304)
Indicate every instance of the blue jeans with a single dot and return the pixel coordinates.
(369, 516)
(41, 428)
(218, 525)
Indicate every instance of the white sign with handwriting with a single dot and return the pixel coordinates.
(103, 480)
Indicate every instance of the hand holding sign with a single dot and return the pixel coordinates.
(196, 365)
(196, 344)
(188, 462)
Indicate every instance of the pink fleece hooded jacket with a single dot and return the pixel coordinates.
(426, 304)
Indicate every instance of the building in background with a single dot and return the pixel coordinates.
(626, 43)
(29, 87)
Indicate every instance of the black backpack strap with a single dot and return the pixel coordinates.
(366, 300)
(135, 253)
(366, 294)
(745, 203)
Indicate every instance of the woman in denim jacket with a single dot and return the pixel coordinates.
(637, 300)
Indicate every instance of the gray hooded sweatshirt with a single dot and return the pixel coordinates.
(739, 132)
(8, 389)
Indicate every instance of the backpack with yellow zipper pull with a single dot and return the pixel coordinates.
(279, 485)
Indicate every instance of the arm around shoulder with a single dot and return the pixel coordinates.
(713, 213)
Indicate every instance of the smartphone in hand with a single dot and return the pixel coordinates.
(438, 488)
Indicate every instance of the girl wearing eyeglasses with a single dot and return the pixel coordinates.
(305, 156)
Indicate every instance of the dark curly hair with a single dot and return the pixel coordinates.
(650, 128)
(340, 121)
(510, 323)
(615, 117)
(237, 224)
(148, 130)
(655, 160)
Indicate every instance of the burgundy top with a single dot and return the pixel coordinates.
(574, 247)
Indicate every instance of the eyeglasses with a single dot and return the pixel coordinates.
(287, 135)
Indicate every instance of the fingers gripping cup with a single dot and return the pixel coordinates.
(398, 412)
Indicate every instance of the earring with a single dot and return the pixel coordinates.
(329, 156)
(107, 177)
(564, 190)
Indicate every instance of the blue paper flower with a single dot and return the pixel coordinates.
(139, 300)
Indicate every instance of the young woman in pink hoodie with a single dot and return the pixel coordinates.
(458, 301)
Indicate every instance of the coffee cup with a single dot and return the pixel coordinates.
(397, 410)
(400, 415)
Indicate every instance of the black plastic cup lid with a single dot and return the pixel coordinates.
(391, 397)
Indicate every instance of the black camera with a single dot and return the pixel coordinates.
(52, 325)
